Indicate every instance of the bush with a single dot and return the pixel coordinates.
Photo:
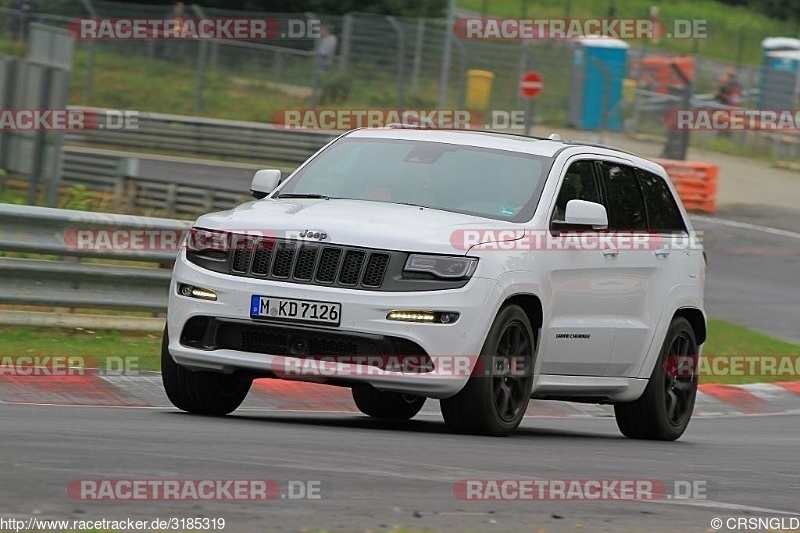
(335, 88)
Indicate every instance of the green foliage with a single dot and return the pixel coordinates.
(78, 198)
(726, 339)
(406, 8)
(778, 9)
(67, 8)
(9, 196)
(335, 88)
(140, 350)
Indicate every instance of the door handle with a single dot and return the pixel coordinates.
(611, 253)
(662, 253)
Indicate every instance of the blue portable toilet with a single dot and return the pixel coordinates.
(599, 65)
(777, 44)
(779, 82)
(775, 68)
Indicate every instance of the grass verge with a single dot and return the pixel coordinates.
(141, 350)
(106, 349)
(730, 340)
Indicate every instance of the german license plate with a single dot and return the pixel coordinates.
(294, 310)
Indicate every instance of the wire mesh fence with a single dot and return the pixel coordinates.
(399, 62)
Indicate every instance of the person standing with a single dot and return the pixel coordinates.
(729, 91)
(23, 10)
(326, 49)
(172, 47)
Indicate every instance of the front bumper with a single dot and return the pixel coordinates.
(363, 314)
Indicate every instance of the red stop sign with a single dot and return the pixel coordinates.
(531, 84)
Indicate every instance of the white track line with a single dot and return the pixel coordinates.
(726, 506)
(747, 225)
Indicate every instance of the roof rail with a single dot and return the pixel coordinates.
(599, 145)
(401, 125)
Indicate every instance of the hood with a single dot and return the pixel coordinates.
(358, 223)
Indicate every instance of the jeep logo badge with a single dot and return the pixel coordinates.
(313, 234)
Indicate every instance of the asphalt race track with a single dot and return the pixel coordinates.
(376, 475)
(753, 276)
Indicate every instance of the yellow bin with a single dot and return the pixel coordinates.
(479, 88)
(628, 89)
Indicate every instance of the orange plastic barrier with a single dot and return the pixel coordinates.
(695, 182)
(658, 75)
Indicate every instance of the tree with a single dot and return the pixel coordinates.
(407, 8)
(777, 9)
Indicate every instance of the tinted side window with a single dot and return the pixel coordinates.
(662, 211)
(579, 184)
(623, 198)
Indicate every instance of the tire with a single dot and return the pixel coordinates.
(495, 404)
(665, 408)
(204, 393)
(387, 405)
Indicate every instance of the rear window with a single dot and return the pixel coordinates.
(663, 214)
(625, 205)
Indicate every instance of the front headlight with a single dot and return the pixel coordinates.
(204, 240)
(442, 266)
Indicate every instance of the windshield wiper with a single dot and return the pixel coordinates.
(411, 204)
(326, 197)
(299, 195)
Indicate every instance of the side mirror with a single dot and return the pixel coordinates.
(583, 213)
(264, 182)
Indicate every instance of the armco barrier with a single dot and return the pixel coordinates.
(695, 182)
(132, 184)
(231, 140)
(66, 281)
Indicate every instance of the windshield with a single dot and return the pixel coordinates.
(491, 183)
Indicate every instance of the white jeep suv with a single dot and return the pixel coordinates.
(477, 268)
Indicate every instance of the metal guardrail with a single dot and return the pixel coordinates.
(224, 139)
(175, 190)
(174, 199)
(178, 191)
(66, 281)
(96, 170)
(660, 102)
